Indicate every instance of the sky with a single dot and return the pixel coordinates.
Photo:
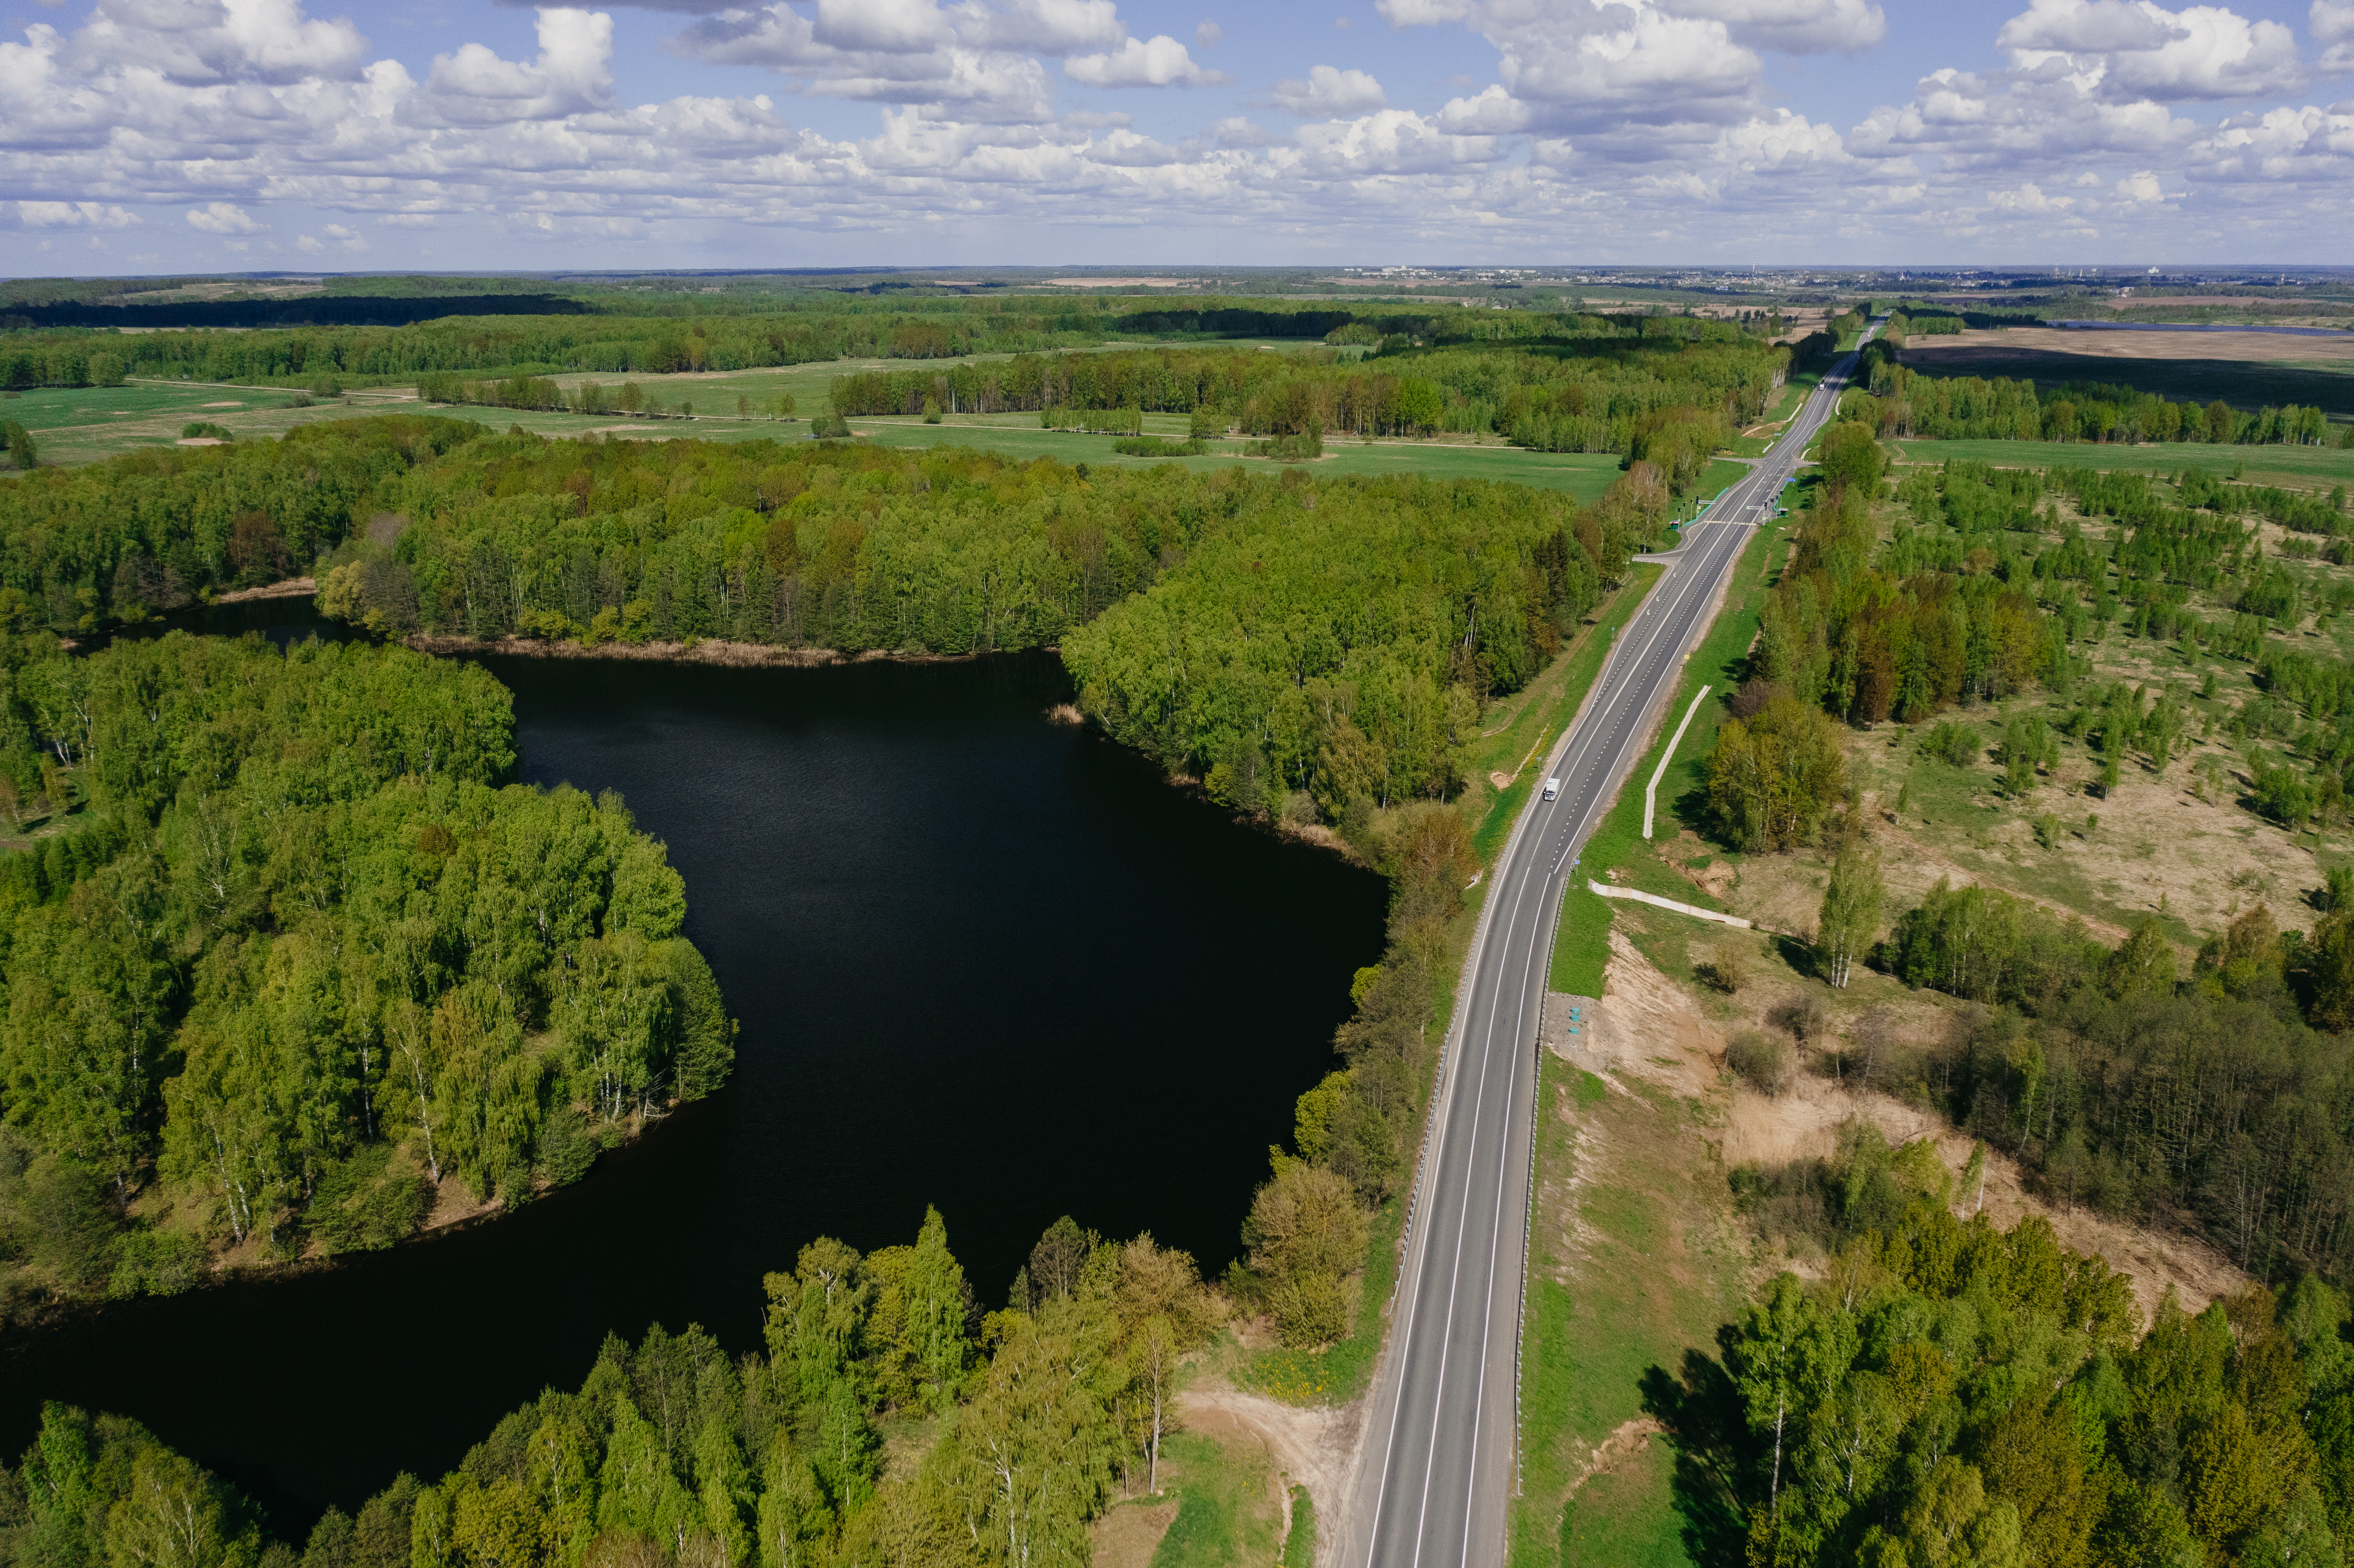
(141, 137)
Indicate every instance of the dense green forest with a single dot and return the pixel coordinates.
(86, 548)
(1015, 1426)
(1324, 615)
(303, 955)
(2223, 1097)
(1661, 388)
(1335, 640)
(1343, 631)
(628, 335)
(1036, 1416)
(1950, 1394)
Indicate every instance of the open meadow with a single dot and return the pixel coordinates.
(82, 425)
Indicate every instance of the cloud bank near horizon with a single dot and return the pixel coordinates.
(148, 134)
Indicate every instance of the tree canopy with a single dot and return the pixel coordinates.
(318, 957)
(1949, 1392)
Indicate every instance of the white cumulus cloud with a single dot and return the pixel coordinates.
(1794, 27)
(893, 26)
(1586, 65)
(2331, 22)
(204, 42)
(1049, 27)
(1330, 93)
(1159, 61)
(573, 74)
(223, 218)
(2122, 50)
(1614, 128)
(906, 53)
(73, 214)
(1392, 141)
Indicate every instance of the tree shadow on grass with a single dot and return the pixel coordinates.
(1799, 954)
(1707, 1427)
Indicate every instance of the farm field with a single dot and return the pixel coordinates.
(2296, 468)
(2239, 347)
(2248, 370)
(79, 425)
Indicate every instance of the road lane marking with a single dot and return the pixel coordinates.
(1611, 722)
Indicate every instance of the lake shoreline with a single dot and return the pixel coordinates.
(705, 650)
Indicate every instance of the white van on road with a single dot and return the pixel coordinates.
(1552, 788)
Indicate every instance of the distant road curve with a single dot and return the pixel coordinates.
(1438, 1466)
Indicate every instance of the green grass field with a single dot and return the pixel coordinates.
(2310, 468)
(1299, 1541)
(88, 424)
(84, 424)
(1583, 475)
(1227, 1515)
(1718, 477)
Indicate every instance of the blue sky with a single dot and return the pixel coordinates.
(146, 135)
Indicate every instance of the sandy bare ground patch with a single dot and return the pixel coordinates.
(1627, 1439)
(2157, 847)
(454, 1204)
(1804, 1123)
(1316, 1448)
(1127, 1536)
(1965, 348)
(2157, 844)
(1642, 1028)
(1784, 893)
(1673, 1043)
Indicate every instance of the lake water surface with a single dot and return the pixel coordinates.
(981, 960)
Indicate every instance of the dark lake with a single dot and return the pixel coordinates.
(982, 960)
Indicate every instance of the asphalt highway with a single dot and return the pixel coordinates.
(1438, 1466)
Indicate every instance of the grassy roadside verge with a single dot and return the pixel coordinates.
(1582, 942)
(1718, 477)
(1634, 1259)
